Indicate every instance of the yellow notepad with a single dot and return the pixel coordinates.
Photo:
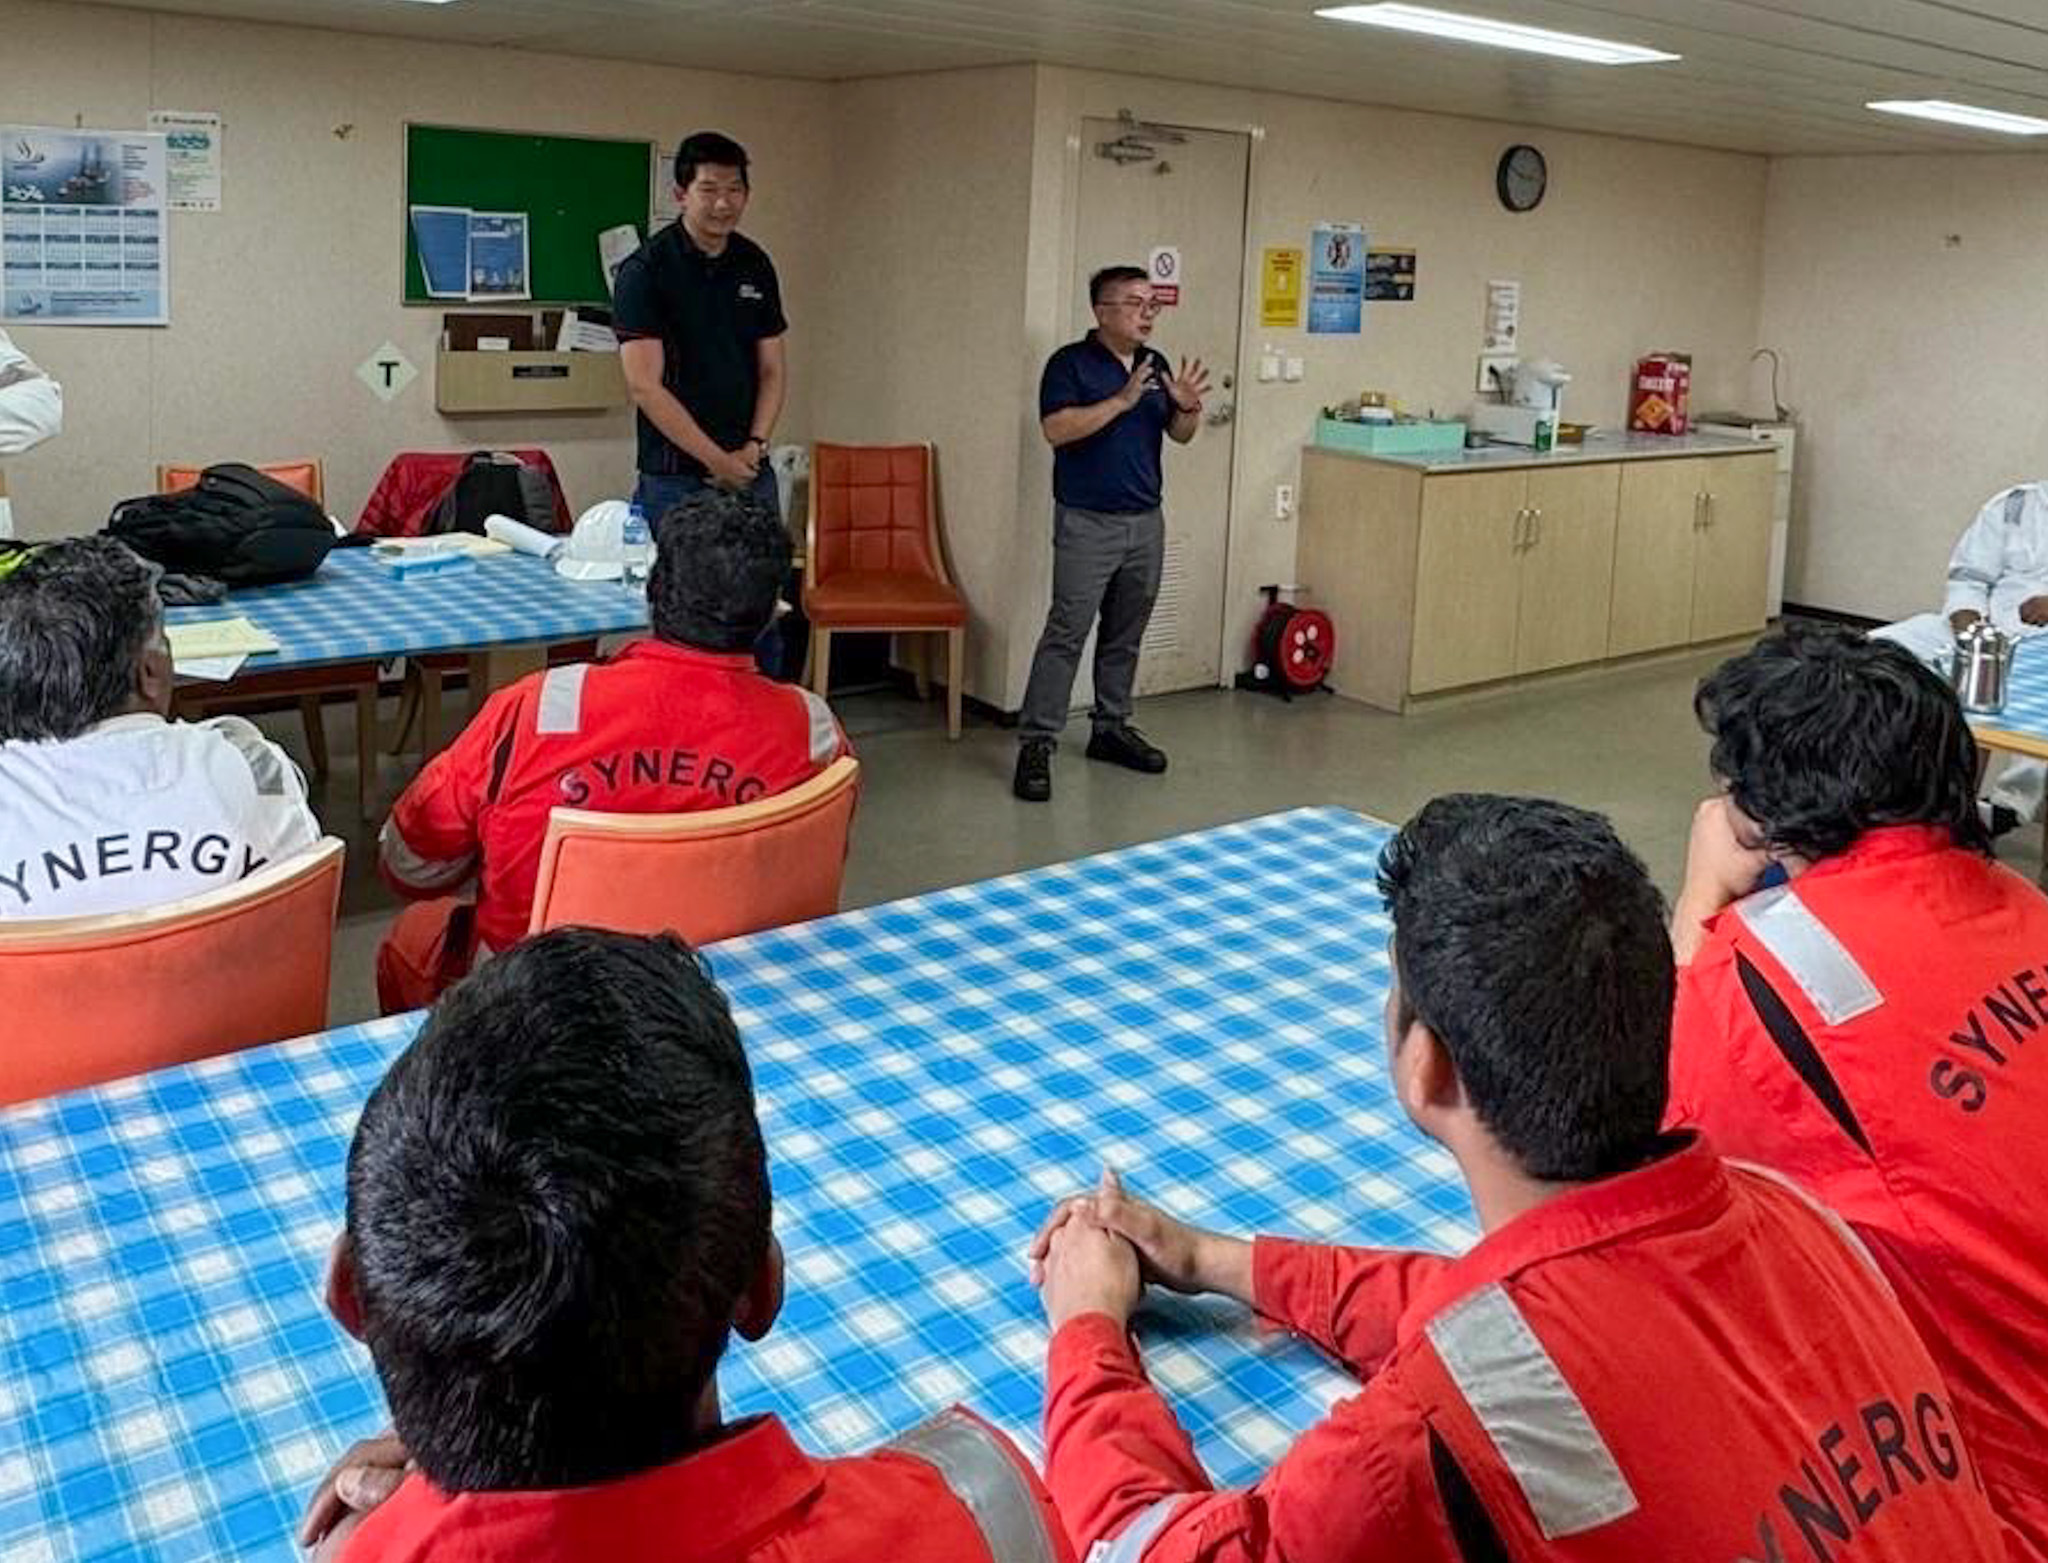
(217, 638)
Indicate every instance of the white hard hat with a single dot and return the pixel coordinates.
(597, 545)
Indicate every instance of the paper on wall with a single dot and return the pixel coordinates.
(84, 227)
(1280, 289)
(1503, 316)
(1336, 278)
(192, 150)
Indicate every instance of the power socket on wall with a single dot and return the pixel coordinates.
(1283, 501)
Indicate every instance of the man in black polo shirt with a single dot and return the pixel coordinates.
(1103, 403)
(699, 317)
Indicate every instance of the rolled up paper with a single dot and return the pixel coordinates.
(526, 539)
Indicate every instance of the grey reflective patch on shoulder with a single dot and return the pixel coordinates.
(272, 769)
(1538, 1424)
(420, 873)
(824, 728)
(561, 699)
(2016, 505)
(1130, 1543)
(1811, 955)
(980, 1473)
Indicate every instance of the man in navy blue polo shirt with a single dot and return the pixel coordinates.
(1103, 403)
(698, 309)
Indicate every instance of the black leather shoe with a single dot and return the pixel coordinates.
(1033, 781)
(1126, 746)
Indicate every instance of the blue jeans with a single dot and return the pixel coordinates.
(658, 492)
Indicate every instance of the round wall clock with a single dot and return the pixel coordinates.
(1521, 178)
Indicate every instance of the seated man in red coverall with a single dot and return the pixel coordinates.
(675, 722)
(1652, 1356)
(1870, 1027)
(558, 1213)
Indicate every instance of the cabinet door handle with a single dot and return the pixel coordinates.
(1521, 524)
(1535, 526)
(1710, 509)
(1699, 502)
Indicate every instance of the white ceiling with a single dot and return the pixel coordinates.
(1777, 76)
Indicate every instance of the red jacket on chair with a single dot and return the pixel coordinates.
(1878, 1031)
(415, 481)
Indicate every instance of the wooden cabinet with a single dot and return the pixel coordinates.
(1653, 556)
(1567, 567)
(1692, 556)
(1442, 580)
(1512, 574)
(1732, 562)
(1468, 582)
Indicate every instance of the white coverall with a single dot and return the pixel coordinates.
(2000, 562)
(31, 410)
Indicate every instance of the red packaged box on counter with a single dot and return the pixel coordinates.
(1660, 399)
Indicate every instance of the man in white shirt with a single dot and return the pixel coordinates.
(1999, 571)
(105, 804)
(31, 410)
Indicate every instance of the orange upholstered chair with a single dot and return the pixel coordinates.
(305, 476)
(708, 875)
(873, 560)
(307, 686)
(99, 998)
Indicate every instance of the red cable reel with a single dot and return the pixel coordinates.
(1292, 646)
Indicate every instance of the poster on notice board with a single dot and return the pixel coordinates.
(83, 227)
(1336, 279)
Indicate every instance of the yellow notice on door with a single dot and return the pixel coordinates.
(1280, 290)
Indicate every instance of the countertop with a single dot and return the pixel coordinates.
(1611, 446)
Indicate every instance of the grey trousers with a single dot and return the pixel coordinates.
(1103, 563)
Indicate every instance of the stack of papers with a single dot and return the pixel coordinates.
(445, 543)
(218, 638)
(215, 649)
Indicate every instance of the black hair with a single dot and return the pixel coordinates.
(556, 1198)
(1821, 734)
(1533, 944)
(709, 146)
(1109, 276)
(75, 618)
(720, 559)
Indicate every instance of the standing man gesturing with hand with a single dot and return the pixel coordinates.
(1104, 402)
(699, 316)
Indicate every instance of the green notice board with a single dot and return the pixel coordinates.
(571, 188)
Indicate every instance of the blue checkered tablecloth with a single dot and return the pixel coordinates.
(353, 610)
(2026, 692)
(1202, 1012)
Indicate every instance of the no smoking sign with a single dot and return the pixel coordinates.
(1165, 270)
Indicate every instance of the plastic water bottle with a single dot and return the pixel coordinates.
(638, 552)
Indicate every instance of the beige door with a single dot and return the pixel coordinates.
(1567, 567)
(1187, 195)
(1731, 579)
(1468, 572)
(1655, 537)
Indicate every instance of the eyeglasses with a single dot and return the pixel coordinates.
(1144, 306)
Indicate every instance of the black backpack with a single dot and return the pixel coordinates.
(494, 483)
(236, 525)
